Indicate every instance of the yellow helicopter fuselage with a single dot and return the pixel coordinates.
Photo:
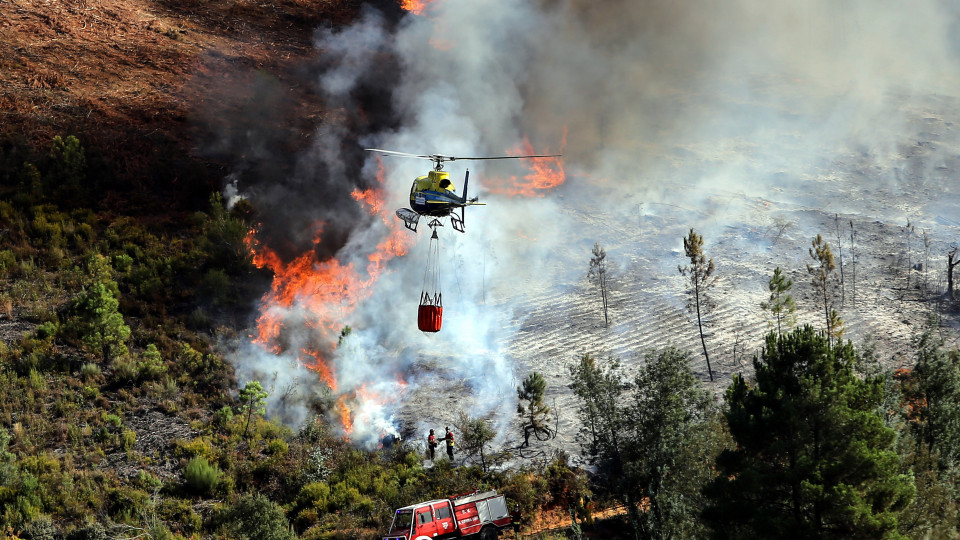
(434, 194)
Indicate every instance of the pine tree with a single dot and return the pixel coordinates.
(67, 166)
(253, 400)
(598, 273)
(813, 457)
(535, 411)
(600, 387)
(823, 283)
(476, 435)
(781, 303)
(671, 445)
(97, 322)
(936, 392)
(700, 272)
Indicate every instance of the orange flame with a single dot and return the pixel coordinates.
(318, 295)
(317, 286)
(397, 243)
(545, 173)
(314, 360)
(355, 408)
(346, 420)
(415, 6)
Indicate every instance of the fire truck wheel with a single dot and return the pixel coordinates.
(489, 533)
(423, 538)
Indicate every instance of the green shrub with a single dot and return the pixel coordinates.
(223, 417)
(41, 528)
(90, 371)
(122, 263)
(47, 330)
(8, 264)
(127, 504)
(314, 494)
(198, 447)
(254, 517)
(148, 481)
(94, 531)
(201, 476)
(199, 319)
(216, 285)
(277, 447)
(36, 381)
(124, 369)
(151, 367)
(128, 439)
(181, 512)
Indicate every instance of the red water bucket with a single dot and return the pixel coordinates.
(429, 318)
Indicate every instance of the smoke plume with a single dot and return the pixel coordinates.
(663, 102)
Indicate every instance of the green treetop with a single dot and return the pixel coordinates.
(253, 400)
(813, 457)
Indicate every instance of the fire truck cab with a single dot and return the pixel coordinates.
(475, 515)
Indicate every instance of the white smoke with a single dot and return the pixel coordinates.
(659, 102)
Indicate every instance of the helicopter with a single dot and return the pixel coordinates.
(434, 194)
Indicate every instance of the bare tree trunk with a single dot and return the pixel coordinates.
(908, 230)
(603, 293)
(950, 264)
(853, 261)
(826, 312)
(926, 259)
(700, 326)
(843, 292)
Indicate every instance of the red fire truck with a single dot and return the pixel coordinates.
(477, 515)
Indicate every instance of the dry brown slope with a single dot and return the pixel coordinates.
(124, 72)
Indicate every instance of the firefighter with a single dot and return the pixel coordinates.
(449, 439)
(515, 518)
(588, 511)
(431, 444)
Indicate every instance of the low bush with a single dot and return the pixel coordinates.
(201, 476)
(254, 517)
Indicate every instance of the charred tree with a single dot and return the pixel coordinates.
(853, 263)
(908, 232)
(843, 292)
(700, 271)
(926, 259)
(951, 262)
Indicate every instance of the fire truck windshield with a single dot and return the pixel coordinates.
(401, 522)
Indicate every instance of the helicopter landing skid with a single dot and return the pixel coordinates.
(457, 221)
(409, 217)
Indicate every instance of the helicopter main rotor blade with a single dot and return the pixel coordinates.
(500, 157)
(441, 157)
(400, 154)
